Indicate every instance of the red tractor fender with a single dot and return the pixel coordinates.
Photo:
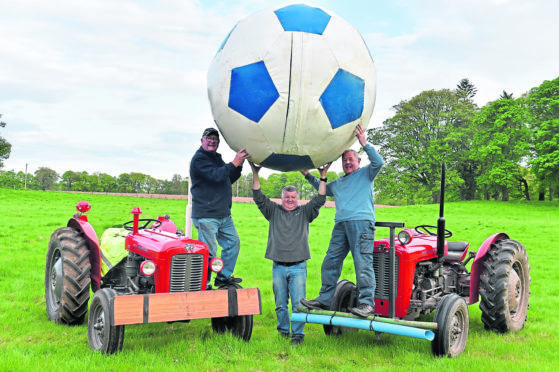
(81, 224)
(477, 265)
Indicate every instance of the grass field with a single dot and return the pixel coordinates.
(28, 341)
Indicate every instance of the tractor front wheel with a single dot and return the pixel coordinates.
(240, 326)
(103, 336)
(67, 277)
(452, 320)
(505, 287)
(345, 297)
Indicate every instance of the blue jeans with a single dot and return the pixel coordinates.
(212, 231)
(289, 281)
(357, 237)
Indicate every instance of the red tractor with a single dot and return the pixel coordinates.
(156, 275)
(420, 272)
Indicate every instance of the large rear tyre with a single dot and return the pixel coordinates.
(240, 326)
(67, 277)
(345, 297)
(505, 287)
(453, 321)
(103, 336)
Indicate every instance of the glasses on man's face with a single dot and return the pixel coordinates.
(212, 139)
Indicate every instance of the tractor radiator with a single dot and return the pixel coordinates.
(381, 264)
(187, 273)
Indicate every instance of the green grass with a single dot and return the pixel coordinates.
(28, 341)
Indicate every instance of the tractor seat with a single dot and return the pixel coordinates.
(456, 251)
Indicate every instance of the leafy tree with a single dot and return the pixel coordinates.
(68, 178)
(46, 177)
(107, 183)
(5, 146)
(429, 128)
(176, 184)
(544, 107)
(124, 183)
(501, 145)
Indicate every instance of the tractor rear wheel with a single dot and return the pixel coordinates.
(240, 326)
(67, 277)
(505, 287)
(453, 321)
(103, 336)
(345, 297)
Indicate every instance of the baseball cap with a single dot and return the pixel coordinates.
(210, 131)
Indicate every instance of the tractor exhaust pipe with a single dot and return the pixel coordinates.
(441, 220)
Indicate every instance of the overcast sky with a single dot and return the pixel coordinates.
(119, 86)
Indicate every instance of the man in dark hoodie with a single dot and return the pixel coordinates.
(211, 179)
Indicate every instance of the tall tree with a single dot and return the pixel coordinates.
(46, 177)
(466, 89)
(5, 146)
(427, 129)
(544, 107)
(501, 144)
(505, 95)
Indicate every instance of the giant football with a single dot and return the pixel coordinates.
(290, 85)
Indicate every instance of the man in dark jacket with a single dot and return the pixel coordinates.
(211, 179)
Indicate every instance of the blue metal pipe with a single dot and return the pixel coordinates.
(369, 325)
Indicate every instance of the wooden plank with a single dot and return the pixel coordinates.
(167, 307)
(249, 301)
(128, 309)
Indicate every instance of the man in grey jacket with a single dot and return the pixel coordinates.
(288, 247)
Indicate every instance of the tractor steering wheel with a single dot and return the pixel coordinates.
(147, 221)
(425, 229)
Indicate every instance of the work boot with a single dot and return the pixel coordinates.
(227, 281)
(313, 304)
(363, 310)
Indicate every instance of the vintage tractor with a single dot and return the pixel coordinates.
(144, 272)
(422, 272)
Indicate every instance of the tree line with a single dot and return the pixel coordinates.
(507, 149)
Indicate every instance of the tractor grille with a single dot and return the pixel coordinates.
(381, 264)
(187, 271)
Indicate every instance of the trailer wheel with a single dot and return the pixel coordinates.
(452, 320)
(345, 297)
(67, 277)
(240, 326)
(103, 336)
(505, 287)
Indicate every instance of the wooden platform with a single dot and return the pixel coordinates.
(167, 307)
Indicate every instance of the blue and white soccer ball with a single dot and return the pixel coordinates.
(290, 85)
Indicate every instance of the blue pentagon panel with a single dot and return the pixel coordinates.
(304, 18)
(288, 163)
(252, 90)
(343, 98)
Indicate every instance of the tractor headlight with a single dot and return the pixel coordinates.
(404, 237)
(216, 264)
(147, 268)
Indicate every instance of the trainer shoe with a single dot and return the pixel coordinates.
(363, 310)
(313, 304)
(297, 340)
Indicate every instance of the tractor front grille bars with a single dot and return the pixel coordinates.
(187, 271)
